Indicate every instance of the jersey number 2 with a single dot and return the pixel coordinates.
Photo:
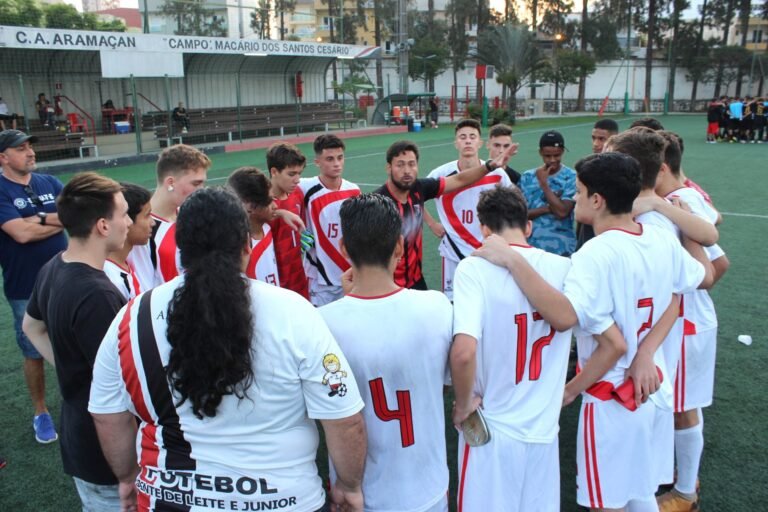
(534, 372)
(402, 413)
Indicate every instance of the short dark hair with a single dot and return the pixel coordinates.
(400, 147)
(471, 123)
(251, 186)
(644, 145)
(136, 196)
(370, 227)
(648, 122)
(500, 130)
(180, 159)
(328, 141)
(615, 176)
(608, 125)
(282, 154)
(673, 153)
(87, 197)
(502, 207)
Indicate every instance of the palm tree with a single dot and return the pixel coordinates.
(512, 50)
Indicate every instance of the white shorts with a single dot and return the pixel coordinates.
(449, 269)
(322, 294)
(614, 459)
(664, 445)
(510, 475)
(695, 378)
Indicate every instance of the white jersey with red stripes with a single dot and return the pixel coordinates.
(166, 258)
(458, 211)
(398, 345)
(325, 263)
(699, 308)
(262, 265)
(140, 261)
(628, 279)
(521, 359)
(123, 277)
(258, 452)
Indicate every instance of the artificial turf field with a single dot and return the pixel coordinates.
(735, 464)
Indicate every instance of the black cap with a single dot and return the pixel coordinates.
(551, 139)
(14, 138)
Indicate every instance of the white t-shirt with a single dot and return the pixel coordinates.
(699, 308)
(458, 211)
(325, 264)
(398, 345)
(123, 278)
(167, 261)
(627, 279)
(260, 449)
(262, 264)
(140, 261)
(521, 360)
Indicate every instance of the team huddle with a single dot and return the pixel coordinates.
(227, 376)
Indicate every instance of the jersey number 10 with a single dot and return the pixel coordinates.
(534, 372)
(402, 413)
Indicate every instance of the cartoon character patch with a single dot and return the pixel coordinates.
(334, 375)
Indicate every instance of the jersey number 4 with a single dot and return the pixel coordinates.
(402, 413)
(534, 372)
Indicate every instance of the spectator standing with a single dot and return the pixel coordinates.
(70, 310)
(30, 235)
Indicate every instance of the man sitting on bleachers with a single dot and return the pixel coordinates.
(181, 117)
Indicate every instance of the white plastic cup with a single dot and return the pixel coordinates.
(745, 339)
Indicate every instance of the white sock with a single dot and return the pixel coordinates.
(643, 505)
(689, 444)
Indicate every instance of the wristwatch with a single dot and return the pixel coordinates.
(490, 165)
(43, 216)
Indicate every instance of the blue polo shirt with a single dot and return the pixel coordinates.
(22, 262)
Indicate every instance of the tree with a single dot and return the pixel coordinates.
(192, 19)
(459, 13)
(260, 19)
(429, 56)
(512, 50)
(651, 31)
(283, 7)
(21, 13)
(733, 61)
(722, 16)
(382, 10)
(566, 67)
(63, 16)
(745, 10)
(678, 6)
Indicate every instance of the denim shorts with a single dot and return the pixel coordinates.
(97, 498)
(19, 307)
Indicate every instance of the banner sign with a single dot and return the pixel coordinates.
(60, 39)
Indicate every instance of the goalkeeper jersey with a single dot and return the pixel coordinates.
(287, 243)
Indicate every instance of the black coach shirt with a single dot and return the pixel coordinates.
(408, 272)
(77, 303)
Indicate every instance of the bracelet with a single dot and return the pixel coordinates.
(489, 167)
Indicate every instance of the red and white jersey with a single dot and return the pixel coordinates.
(325, 264)
(290, 260)
(699, 308)
(458, 211)
(124, 278)
(166, 258)
(257, 452)
(521, 359)
(262, 264)
(628, 279)
(140, 261)
(398, 345)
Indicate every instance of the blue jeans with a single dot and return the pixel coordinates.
(19, 307)
(97, 498)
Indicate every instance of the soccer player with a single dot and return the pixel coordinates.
(615, 279)
(252, 187)
(549, 190)
(694, 382)
(736, 111)
(499, 139)
(181, 170)
(714, 115)
(400, 369)
(117, 268)
(603, 129)
(409, 193)
(323, 196)
(286, 163)
(457, 209)
(70, 310)
(517, 370)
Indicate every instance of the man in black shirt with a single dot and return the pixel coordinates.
(181, 117)
(409, 193)
(72, 305)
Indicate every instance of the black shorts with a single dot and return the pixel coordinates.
(9, 117)
(734, 124)
(747, 123)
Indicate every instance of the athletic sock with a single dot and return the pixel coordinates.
(689, 445)
(644, 505)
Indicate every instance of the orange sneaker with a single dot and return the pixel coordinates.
(672, 501)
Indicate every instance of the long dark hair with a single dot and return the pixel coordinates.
(209, 318)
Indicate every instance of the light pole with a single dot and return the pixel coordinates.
(558, 38)
(424, 68)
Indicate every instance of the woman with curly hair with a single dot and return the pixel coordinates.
(225, 383)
